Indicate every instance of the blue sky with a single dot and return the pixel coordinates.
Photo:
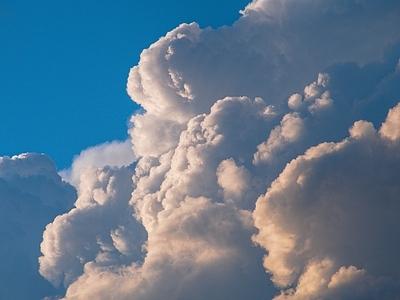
(64, 67)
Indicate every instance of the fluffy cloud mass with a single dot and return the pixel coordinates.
(330, 220)
(265, 165)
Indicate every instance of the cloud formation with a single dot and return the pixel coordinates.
(114, 154)
(198, 230)
(99, 228)
(31, 195)
(329, 221)
(244, 182)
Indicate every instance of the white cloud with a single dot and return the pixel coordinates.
(327, 221)
(321, 104)
(197, 252)
(391, 127)
(115, 154)
(289, 131)
(233, 180)
(295, 101)
(185, 72)
(100, 228)
(362, 128)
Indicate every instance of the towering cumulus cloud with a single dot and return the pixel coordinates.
(246, 183)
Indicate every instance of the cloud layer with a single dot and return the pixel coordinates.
(253, 174)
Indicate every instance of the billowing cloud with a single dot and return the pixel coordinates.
(198, 230)
(99, 228)
(197, 252)
(329, 221)
(245, 134)
(31, 195)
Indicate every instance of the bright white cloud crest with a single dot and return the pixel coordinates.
(256, 159)
(114, 154)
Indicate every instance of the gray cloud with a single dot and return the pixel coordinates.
(31, 195)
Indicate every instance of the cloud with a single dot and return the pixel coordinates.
(198, 230)
(289, 131)
(328, 221)
(259, 110)
(326, 32)
(99, 228)
(115, 153)
(196, 251)
(31, 195)
(232, 179)
(258, 57)
(391, 129)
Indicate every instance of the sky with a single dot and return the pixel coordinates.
(257, 160)
(64, 67)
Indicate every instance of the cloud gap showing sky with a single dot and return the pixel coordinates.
(264, 165)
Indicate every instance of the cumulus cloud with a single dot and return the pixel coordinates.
(198, 228)
(289, 131)
(256, 57)
(391, 127)
(245, 133)
(233, 180)
(328, 221)
(114, 154)
(31, 195)
(198, 251)
(99, 228)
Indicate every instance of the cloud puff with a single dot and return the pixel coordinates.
(100, 228)
(289, 131)
(31, 195)
(114, 154)
(329, 220)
